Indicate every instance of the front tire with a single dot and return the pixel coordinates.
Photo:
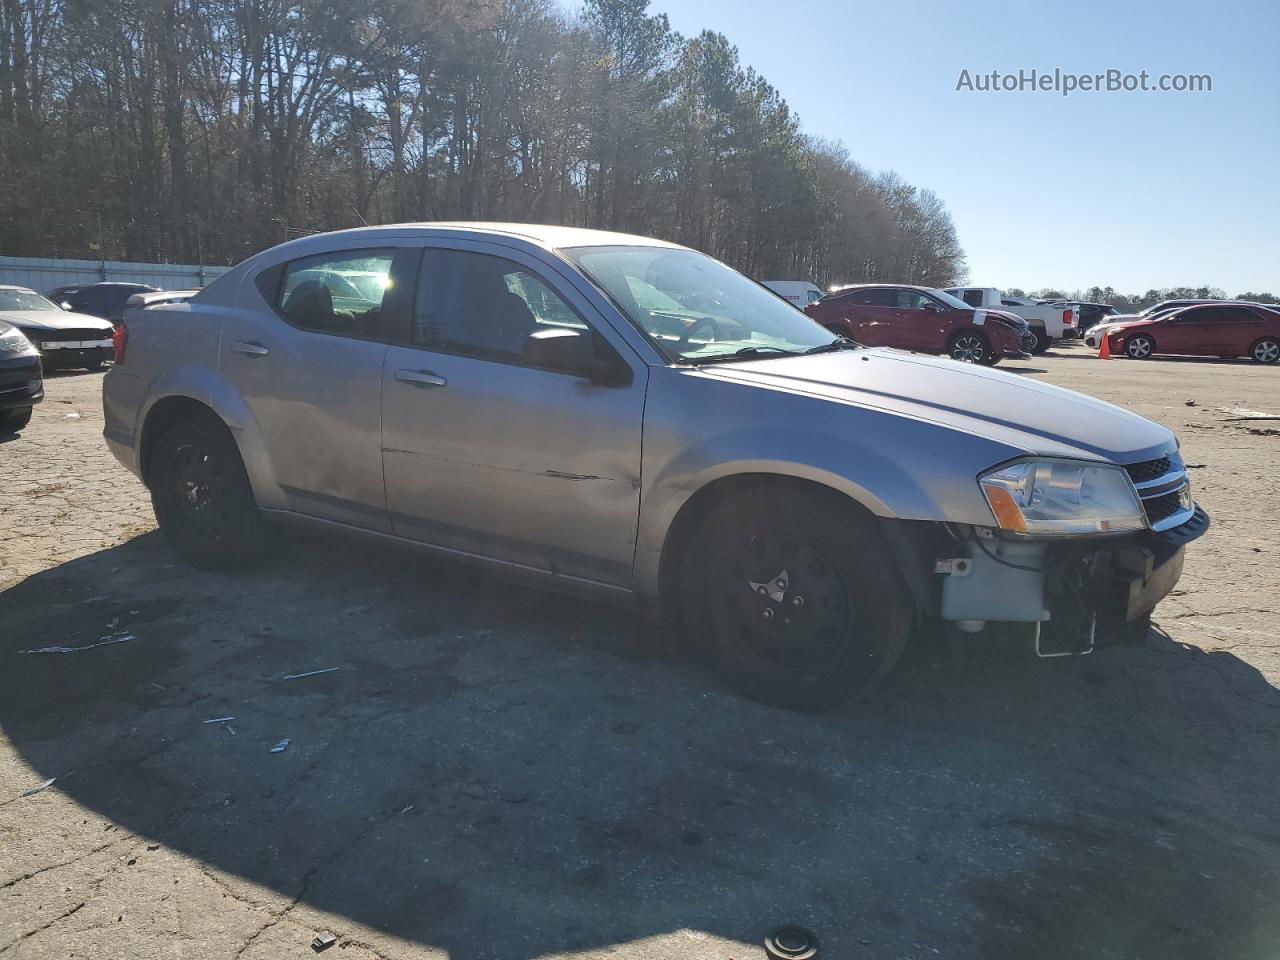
(970, 346)
(795, 596)
(1139, 347)
(202, 498)
(1266, 350)
(11, 421)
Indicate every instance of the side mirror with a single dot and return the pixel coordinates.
(65, 306)
(579, 352)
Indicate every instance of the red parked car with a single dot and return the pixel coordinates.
(924, 319)
(1214, 330)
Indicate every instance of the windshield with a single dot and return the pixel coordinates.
(696, 309)
(955, 303)
(25, 300)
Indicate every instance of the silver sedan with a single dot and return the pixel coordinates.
(631, 419)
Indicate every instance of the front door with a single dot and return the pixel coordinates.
(490, 456)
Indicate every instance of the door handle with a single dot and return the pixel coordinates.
(249, 348)
(420, 378)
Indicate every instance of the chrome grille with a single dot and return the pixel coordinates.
(1149, 469)
(1164, 488)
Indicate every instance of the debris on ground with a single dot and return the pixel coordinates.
(100, 642)
(791, 943)
(281, 747)
(311, 673)
(323, 941)
(43, 786)
(220, 720)
(1191, 403)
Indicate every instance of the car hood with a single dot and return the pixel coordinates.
(54, 320)
(1033, 417)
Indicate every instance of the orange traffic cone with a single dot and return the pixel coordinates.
(1104, 346)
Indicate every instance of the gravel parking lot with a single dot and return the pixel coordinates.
(496, 774)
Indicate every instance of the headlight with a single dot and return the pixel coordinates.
(14, 344)
(1062, 498)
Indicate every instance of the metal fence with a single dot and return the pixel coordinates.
(41, 274)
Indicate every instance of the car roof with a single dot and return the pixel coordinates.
(882, 286)
(14, 286)
(545, 235)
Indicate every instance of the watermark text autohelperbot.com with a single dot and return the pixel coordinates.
(1065, 83)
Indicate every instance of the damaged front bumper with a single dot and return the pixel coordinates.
(1067, 596)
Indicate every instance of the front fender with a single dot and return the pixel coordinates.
(895, 466)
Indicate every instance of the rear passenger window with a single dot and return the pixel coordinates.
(972, 297)
(874, 298)
(337, 292)
(483, 306)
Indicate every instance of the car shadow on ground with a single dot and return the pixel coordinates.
(502, 773)
(1091, 353)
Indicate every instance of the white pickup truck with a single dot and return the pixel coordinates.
(1048, 323)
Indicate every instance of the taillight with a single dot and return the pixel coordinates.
(120, 342)
(1067, 318)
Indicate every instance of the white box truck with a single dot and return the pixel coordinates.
(799, 293)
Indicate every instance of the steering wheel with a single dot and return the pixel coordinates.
(711, 322)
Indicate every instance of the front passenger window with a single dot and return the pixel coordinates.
(337, 292)
(483, 306)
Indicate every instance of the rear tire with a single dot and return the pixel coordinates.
(202, 498)
(1139, 347)
(795, 596)
(1266, 350)
(1043, 340)
(11, 421)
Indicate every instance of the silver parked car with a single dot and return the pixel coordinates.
(631, 419)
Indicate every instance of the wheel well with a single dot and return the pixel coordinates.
(706, 499)
(161, 417)
(963, 330)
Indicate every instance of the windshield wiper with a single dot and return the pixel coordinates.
(839, 343)
(746, 353)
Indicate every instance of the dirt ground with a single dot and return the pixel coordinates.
(495, 774)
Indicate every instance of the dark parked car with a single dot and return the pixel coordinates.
(105, 300)
(64, 339)
(923, 319)
(1215, 330)
(21, 379)
(1091, 313)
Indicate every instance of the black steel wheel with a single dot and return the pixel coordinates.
(796, 596)
(202, 498)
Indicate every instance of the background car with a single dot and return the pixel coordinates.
(21, 378)
(1093, 313)
(106, 300)
(1217, 329)
(924, 319)
(64, 339)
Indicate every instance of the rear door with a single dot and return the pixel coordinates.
(489, 456)
(1241, 328)
(874, 315)
(307, 360)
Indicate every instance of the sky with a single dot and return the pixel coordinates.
(1136, 190)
